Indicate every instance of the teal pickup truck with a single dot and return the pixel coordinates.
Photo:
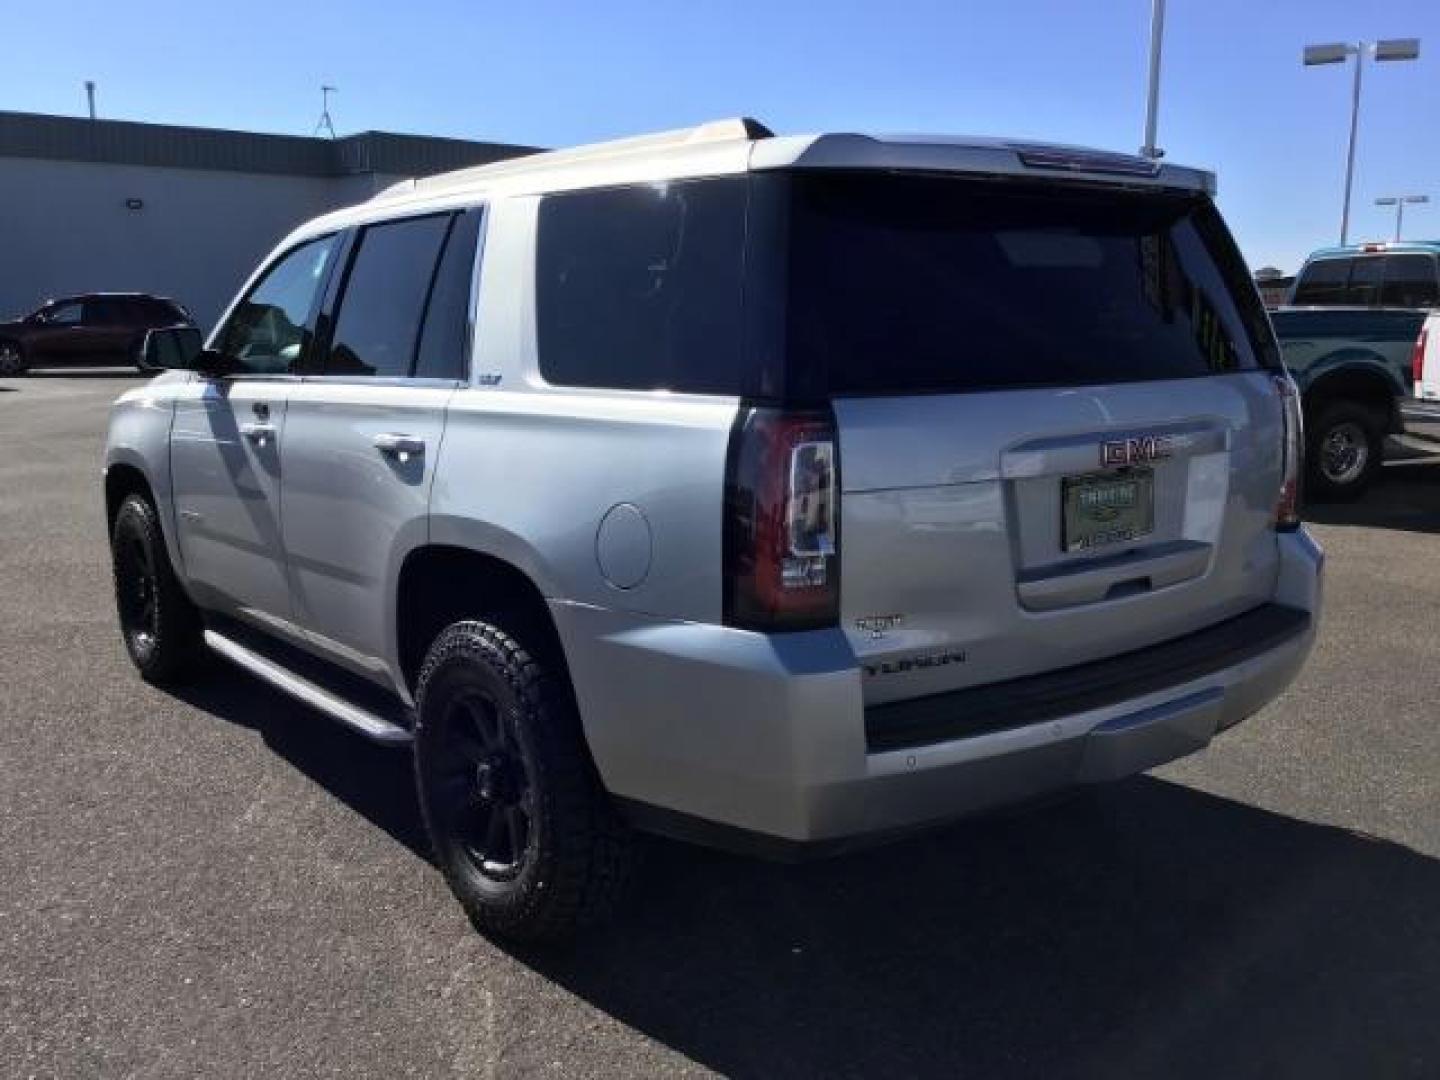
(1351, 338)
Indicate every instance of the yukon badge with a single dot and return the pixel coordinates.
(1135, 451)
(877, 626)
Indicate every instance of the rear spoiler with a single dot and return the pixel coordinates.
(930, 153)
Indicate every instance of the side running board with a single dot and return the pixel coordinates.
(351, 715)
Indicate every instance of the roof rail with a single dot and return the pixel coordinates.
(742, 127)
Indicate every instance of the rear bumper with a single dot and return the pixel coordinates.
(759, 742)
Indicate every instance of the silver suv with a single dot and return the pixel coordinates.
(783, 493)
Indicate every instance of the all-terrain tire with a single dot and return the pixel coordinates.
(498, 738)
(163, 631)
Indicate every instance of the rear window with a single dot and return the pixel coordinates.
(917, 284)
(1410, 281)
(1407, 281)
(639, 287)
(1324, 283)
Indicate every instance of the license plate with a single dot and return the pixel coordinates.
(1106, 508)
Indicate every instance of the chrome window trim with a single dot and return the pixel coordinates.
(472, 308)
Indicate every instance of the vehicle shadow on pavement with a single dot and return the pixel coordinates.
(1407, 498)
(374, 780)
(1141, 930)
(1150, 930)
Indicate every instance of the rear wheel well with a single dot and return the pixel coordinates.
(120, 482)
(440, 584)
(1365, 388)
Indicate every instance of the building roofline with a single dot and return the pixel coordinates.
(128, 142)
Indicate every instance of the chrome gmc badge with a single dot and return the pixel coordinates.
(1135, 451)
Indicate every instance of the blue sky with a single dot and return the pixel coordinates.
(1235, 97)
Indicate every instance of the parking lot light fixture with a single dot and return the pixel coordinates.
(1152, 98)
(1399, 201)
(1337, 53)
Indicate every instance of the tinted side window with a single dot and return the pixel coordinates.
(378, 326)
(63, 315)
(1410, 281)
(640, 287)
(268, 332)
(160, 313)
(443, 341)
(1323, 282)
(111, 313)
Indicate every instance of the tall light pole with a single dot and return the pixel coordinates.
(1152, 101)
(1399, 201)
(1338, 53)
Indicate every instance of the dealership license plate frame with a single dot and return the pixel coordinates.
(1084, 529)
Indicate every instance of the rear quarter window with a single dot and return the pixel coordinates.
(639, 287)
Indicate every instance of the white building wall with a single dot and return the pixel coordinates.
(65, 228)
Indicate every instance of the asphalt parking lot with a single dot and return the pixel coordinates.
(218, 882)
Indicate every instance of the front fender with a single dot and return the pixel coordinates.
(138, 437)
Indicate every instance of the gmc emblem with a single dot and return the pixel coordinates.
(1135, 451)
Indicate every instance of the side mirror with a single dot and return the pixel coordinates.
(180, 348)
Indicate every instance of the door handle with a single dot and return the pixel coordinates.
(257, 433)
(401, 446)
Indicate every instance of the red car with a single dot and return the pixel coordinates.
(88, 330)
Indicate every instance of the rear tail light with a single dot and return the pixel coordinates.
(782, 539)
(1417, 356)
(1287, 507)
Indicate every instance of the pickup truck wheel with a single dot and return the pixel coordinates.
(161, 627)
(12, 360)
(1346, 447)
(520, 825)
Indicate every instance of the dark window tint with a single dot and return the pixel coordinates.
(444, 338)
(1410, 281)
(926, 285)
(640, 287)
(161, 313)
(1366, 275)
(109, 313)
(378, 326)
(63, 314)
(268, 332)
(1323, 283)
